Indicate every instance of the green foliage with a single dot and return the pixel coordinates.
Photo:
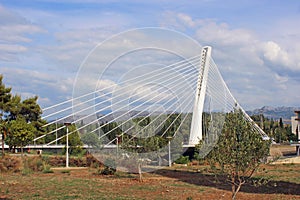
(33, 164)
(47, 169)
(276, 129)
(24, 118)
(182, 160)
(107, 171)
(5, 96)
(239, 152)
(20, 133)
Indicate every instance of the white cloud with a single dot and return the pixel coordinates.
(15, 31)
(275, 54)
(213, 33)
(186, 19)
(249, 65)
(45, 85)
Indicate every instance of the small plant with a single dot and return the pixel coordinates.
(26, 171)
(108, 171)
(35, 164)
(47, 169)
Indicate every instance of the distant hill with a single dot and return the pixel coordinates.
(275, 112)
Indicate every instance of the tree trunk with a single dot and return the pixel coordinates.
(238, 189)
(3, 138)
(233, 193)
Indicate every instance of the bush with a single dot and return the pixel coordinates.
(182, 160)
(110, 167)
(47, 168)
(107, 171)
(33, 163)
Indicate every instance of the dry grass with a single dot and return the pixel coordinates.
(179, 182)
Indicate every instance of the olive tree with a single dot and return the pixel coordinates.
(239, 152)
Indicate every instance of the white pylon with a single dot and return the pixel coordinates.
(196, 125)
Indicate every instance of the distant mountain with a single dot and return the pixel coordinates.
(275, 112)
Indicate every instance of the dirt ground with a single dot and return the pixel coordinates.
(177, 182)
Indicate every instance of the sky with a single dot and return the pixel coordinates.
(256, 43)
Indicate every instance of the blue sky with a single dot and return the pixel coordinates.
(256, 43)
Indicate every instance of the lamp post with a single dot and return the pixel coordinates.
(67, 144)
(117, 143)
(169, 144)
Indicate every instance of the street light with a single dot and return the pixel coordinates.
(117, 143)
(169, 143)
(67, 144)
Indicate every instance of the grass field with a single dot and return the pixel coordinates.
(179, 182)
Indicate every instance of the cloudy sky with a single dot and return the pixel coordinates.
(256, 43)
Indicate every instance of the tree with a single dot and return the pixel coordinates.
(239, 152)
(20, 133)
(12, 108)
(5, 96)
(32, 112)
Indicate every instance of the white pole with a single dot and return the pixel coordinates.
(169, 144)
(67, 149)
(117, 147)
(170, 164)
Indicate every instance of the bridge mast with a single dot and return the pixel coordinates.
(196, 125)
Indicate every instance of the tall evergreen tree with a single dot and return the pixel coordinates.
(5, 95)
(12, 110)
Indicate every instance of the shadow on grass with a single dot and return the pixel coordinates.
(272, 187)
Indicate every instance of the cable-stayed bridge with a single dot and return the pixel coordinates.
(184, 103)
(138, 98)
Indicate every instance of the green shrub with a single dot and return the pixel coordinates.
(35, 163)
(47, 169)
(108, 171)
(182, 160)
